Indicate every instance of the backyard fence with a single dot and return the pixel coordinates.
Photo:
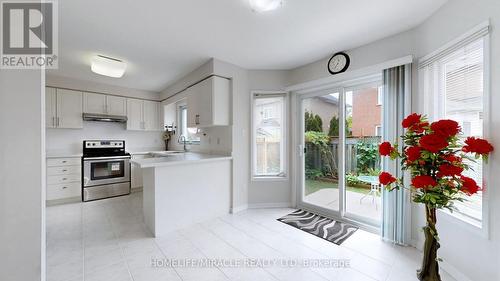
(316, 158)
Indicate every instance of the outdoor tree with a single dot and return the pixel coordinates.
(313, 122)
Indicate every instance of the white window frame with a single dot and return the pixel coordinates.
(481, 228)
(285, 132)
(380, 95)
(179, 106)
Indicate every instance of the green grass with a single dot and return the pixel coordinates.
(315, 185)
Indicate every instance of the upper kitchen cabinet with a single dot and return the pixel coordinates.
(208, 103)
(63, 108)
(116, 105)
(151, 115)
(94, 103)
(104, 104)
(143, 115)
(50, 107)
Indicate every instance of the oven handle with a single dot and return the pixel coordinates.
(105, 157)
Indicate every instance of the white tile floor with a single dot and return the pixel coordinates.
(107, 240)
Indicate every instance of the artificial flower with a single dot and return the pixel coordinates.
(423, 181)
(477, 145)
(386, 178)
(433, 142)
(385, 148)
(446, 128)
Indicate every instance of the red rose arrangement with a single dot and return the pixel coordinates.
(436, 156)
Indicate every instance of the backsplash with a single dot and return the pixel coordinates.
(213, 140)
(70, 140)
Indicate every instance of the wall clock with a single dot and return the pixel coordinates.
(338, 63)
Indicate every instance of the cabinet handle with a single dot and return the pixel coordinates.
(57, 118)
(64, 170)
(64, 179)
(64, 161)
(197, 119)
(64, 187)
(53, 121)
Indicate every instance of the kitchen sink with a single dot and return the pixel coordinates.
(166, 153)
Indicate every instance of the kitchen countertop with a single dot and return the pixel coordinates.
(62, 154)
(180, 158)
(73, 154)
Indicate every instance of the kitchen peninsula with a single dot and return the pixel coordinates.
(180, 189)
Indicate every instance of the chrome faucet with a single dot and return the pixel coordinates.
(184, 141)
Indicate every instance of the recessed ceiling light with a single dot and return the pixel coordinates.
(265, 5)
(108, 66)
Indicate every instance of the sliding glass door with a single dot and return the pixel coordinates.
(339, 163)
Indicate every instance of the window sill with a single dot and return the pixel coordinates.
(465, 222)
(269, 178)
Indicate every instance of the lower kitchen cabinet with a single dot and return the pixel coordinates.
(64, 180)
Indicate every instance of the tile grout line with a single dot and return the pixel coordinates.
(224, 240)
(270, 246)
(161, 250)
(122, 253)
(288, 238)
(197, 248)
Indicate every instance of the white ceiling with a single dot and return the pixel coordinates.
(163, 40)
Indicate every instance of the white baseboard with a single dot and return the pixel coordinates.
(453, 271)
(238, 209)
(63, 201)
(270, 205)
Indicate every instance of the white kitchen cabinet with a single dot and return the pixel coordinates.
(143, 115)
(69, 109)
(151, 115)
(135, 114)
(63, 108)
(94, 103)
(116, 105)
(64, 179)
(208, 103)
(104, 104)
(50, 107)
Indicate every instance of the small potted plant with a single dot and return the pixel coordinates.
(436, 157)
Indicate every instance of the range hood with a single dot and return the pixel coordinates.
(104, 118)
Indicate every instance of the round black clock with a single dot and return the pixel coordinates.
(338, 63)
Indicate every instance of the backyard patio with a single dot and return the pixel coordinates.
(358, 199)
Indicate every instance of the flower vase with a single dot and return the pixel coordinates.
(430, 267)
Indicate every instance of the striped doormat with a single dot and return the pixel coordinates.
(328, 229)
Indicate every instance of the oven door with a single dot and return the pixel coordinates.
(105, 170)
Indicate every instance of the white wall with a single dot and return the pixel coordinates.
(476, 256)
(22, 188)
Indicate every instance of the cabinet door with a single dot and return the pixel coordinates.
(151, 115)
(69, 109)
(204, 103)
(50, 108)
(116, 105)
(192, 107)
(94, 103)
(220, 101)
(135, 114)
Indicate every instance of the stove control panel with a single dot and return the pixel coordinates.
(104, 144)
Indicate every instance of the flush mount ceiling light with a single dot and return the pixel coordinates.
(108, 66)
(265, 5)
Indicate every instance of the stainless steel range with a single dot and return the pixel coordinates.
(106, 169)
